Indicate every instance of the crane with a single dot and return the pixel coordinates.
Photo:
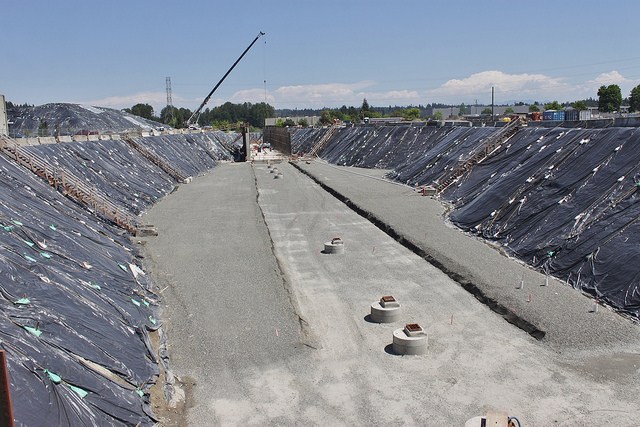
(196, 114)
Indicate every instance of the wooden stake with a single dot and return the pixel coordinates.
(6, 409)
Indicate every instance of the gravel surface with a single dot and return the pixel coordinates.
(562, 314)
(227, 310)
(285, 339)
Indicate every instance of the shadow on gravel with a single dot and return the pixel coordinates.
(389, 350)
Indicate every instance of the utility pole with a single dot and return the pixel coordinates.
(493, 117)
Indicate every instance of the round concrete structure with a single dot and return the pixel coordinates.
(387, 310)
(335, 246)
(410, 340)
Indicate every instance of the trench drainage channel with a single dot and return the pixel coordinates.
(506, 313)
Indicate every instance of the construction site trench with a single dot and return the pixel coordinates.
(521, 272)
(290, 342)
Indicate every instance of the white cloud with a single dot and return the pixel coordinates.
(255, 96)
(510, 86)
(610, 78)
(158, 100)
(590, 87)
(320, 95)
(327, 95)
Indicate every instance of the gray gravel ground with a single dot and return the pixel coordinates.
(565, 315)
(263, 351)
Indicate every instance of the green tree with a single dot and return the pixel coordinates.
(509, 110)
(411, 113)
(143, 110)
(463, 110)
(326, 118)
(580, 105)
(180, 117)
(634, 99)
(220, 124)
(303, 123)
(365, 110)
(486, 112)
(554, 105)
(43, 128)
(533, 108)
(280, 123)
(438, 115)
(289, 122)
(166, 115)
(365, 106)
(609, 98)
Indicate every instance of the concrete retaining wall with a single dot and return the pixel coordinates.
(47, 140)
(279, 138)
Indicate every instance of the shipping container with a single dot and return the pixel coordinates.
(553, 115)
(572, 115)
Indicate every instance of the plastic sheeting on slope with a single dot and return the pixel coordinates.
(70, 293)
(124, 175)
(563, 200)
(68, 119)
(75, 306)
(114, 167)
(408, 148)
(567, 201)
(191, 154)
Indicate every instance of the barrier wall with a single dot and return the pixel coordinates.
(279, 138)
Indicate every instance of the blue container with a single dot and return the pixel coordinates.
(553, 115)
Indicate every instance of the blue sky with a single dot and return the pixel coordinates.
(329, 53)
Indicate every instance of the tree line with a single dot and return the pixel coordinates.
(229, 115)
(224, 116)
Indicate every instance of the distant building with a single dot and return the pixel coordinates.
(476, 110)
(311, 120)
(385, 120)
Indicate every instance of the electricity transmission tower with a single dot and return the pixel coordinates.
(169, 101)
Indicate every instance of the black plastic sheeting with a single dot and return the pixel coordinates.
(76, 307)
(566, 201)
(69, 119)
(122, 174)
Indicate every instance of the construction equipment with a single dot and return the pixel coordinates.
(194, 117)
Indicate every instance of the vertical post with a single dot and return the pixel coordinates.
(6, 409)
(245, 143)
(493, 117)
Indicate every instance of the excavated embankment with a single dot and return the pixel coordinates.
(76, 305)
